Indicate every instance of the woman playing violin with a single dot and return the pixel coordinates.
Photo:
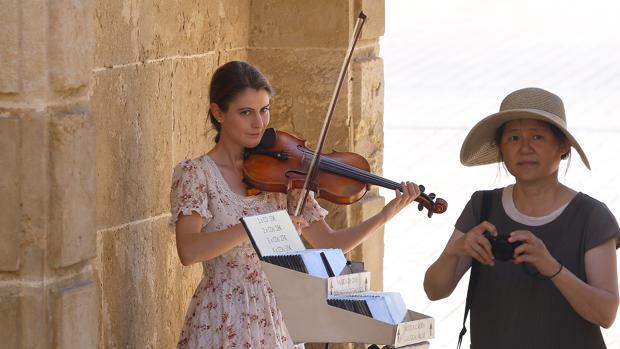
(233, 306)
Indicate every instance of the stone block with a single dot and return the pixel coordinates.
(213, 25)
(10, 49)
(375, 12)
(72, 166)
(10, 320)
(145, 291)
(71, 43)
(300, 23)
(139, 31)
(34, 189)
(371, 251)
(116, 31)
(10, 227)
(33, 314)
(240, 54)
(133, 113)
(193, 134)
(304, 81)
(367, 110)
(34, 74)
(75, 317)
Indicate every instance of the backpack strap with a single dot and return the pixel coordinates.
(475, 265)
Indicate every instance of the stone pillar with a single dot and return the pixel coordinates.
(47, 177)
(153, 64)
(300, 46)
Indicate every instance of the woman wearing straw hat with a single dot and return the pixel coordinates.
(557, 285)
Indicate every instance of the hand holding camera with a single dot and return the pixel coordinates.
(501, 248)
(474, 244)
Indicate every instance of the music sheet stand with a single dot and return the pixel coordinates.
(302, 299)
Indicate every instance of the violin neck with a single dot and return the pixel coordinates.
(357, 174)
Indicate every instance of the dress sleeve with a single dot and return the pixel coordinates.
(189, 192)
(601, 227)
(312, 210)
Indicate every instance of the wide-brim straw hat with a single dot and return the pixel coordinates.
(479, 147)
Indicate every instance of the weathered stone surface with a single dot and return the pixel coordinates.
(367, 110)
(34, 33)
(375, 12)
(145, 290)
(133, 115)
(74, 314)
(371, 251)
(10, 320)
(240, 54)
(142, 30)
(193, 134)
(116, 31)
(10, 230)
(299, 23)
(34, 192)
(72, 165)
(34, 315)
(71, 43)
(10, 49)
(304, 81)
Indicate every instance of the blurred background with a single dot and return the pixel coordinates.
(450, 63)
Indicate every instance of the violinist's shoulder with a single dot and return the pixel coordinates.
(197, 164)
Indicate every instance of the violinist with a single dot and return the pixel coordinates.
(233, 306)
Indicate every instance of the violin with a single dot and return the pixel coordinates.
(281, 162)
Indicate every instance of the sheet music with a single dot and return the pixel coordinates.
(273, 233)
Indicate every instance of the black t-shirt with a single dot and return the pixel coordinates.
(513, 309)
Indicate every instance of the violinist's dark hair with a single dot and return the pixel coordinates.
(559, 135)
(229, 80)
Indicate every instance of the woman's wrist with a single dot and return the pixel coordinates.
(553, 271)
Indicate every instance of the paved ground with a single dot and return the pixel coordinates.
(449, 63)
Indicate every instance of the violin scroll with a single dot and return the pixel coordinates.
(429, 202)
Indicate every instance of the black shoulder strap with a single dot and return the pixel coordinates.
(475, 265)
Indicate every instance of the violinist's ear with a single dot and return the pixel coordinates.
(216, 111)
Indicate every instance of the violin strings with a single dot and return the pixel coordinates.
(356, 173)
(362, 175)
(338, 167)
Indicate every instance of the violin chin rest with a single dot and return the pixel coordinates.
(269, 138)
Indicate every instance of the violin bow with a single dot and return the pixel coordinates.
(357, 30)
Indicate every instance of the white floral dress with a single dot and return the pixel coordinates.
(234, 305)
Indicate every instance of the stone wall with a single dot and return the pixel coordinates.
(100, 99)
(47, 175)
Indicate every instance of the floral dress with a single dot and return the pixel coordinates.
(234, 305)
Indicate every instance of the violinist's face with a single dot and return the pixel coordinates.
(246, 119)
(530, 149)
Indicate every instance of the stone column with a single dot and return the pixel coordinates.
(47, 175)
(153, 63)
(300, 46)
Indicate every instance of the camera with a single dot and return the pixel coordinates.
(501, 248)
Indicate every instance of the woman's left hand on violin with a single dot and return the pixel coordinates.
(410, 191)
(533, 251)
